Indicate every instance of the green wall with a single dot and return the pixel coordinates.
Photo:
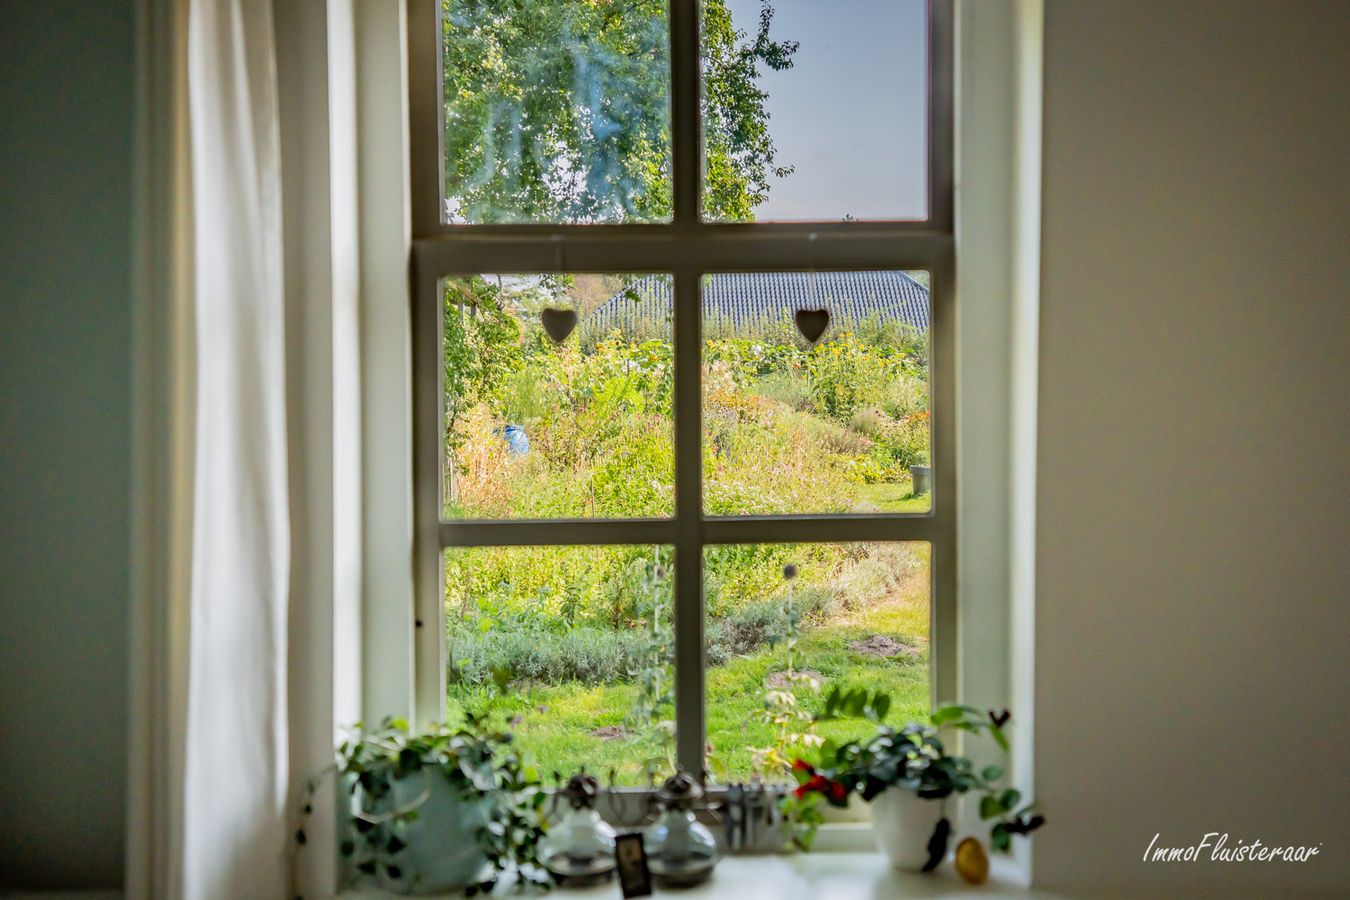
(66, 87)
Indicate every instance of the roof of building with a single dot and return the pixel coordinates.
(744, 299)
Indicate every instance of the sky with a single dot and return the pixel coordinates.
(850, 114)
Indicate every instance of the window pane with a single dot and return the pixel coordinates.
(557, 111)
(839, 426)
(582, 637)
(815, 111)
(536, 428)
(854, 615)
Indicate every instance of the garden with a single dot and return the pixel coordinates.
(581, 637)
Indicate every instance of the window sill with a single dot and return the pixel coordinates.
(821, 876)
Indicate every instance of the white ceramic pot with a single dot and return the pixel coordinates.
(902, 824)
(442, 853)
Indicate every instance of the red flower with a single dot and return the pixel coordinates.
(837, 792)
(802, 765)
(817, 783)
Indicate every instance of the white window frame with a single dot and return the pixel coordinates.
(688, 248)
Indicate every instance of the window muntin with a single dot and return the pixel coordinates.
(689, 249)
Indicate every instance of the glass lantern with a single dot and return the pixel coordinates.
(680, 850)
(579, 850)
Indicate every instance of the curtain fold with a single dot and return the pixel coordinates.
(234, 766)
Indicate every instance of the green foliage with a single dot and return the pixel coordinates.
(477, 760)
(738, 151)
(480, 339)
(601, 655)
(546, 590)
(651, 716)
(588, 655)
(783, 713)
(764, 623)
(789, 429)
(554, 719)
(559, 110)
(914, 758)
(597, 413)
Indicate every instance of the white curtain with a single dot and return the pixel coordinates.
(234, 766)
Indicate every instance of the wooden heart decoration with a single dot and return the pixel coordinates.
(812, 323)
(558, 322)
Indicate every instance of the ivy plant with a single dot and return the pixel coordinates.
(477, 760)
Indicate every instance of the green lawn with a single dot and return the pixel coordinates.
(894, 497)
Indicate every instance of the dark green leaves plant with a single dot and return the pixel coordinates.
(914, 758)
(477, 760)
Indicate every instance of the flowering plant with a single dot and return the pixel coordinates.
(815, 782)
(912, 758)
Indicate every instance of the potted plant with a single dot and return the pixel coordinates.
(445, 809)
(907, 774)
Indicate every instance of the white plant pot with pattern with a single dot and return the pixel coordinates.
(903, 823)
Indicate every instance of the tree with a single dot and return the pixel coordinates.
(481, 340)
(559, 110)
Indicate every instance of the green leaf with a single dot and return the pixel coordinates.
(880, 706)
(947, 714)
(999, 838)
(991, 773)
(990, 807)
(1010, 798)
(999, 737)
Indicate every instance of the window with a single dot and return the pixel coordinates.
(623, 439)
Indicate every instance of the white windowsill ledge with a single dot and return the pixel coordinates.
(817, 876)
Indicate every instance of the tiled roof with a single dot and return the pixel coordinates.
(745, 298)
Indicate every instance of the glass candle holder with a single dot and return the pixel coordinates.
(680, 850)
(579, 850)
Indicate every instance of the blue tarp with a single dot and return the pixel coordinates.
(515, 436)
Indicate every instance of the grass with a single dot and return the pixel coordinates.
(556, 720)
(894, 497)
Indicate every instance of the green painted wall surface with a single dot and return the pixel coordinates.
(66, 90)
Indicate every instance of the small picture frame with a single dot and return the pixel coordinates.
(635, 879)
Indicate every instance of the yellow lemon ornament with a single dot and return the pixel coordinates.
(972, 863)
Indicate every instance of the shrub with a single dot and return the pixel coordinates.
(764, 622)
(788, 389)
(875, 468)
(906, 441)
(591, 655)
